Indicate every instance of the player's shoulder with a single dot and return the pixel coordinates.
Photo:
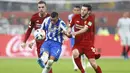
(47, 19)
(35, 14)
(47, 15)
(91, 17)
(61, 21)
(121, 19)
(76, 15)
(70, 15)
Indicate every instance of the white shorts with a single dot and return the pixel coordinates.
(125, 39)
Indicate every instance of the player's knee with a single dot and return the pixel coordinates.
(44, 57)
(75, 53)
(93, 64)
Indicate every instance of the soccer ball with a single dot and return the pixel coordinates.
(39, 34)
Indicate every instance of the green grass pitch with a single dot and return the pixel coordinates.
(62, 66)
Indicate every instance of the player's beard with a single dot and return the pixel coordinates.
(85, 15)
(42, 14)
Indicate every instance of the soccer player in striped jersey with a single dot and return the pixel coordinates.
(51, 49)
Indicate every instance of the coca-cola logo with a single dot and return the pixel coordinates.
(14, 49)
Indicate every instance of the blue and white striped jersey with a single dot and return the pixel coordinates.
(54, 31)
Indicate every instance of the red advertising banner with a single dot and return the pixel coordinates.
(10, 46)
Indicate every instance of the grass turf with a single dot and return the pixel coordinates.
(8, 65)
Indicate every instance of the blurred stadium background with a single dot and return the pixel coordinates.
(14, 19)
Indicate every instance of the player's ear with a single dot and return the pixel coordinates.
(89, 11)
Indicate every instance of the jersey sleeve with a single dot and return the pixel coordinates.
(29, 30)
(70, 17)
(72, 21)
(90, 21)
(63, 26)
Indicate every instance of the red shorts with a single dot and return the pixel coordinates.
(89, 51)
(38, 44)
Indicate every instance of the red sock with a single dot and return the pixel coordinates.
(98, 70)
(78, 63)
(50, 70)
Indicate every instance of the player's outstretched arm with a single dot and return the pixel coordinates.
(80, 31)
(67, 32)
(31, 43)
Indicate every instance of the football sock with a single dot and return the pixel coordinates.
(50, 70)
(124, 51)
(48, 66)
(98, 70)
(75, 66)
(78, 63)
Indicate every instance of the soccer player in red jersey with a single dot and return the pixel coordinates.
(84, 25)
(35, 22)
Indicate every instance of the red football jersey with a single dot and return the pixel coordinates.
(35, 23)
(86, 38)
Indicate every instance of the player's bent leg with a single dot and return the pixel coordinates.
(77, 59)
(97, 56)
(48, 65)
(75, 66)
(95, 66)
(43, 59)
(40, 62)
(75, 53)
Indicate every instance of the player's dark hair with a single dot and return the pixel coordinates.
(42, 2)
(88, 6)
(54, 14)
(77, 6)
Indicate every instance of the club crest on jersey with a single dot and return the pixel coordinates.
(90, 23)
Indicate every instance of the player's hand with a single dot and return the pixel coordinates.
(69, 30)
(69, 35)
(73, 34)
(23, 44)
(30, 45)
